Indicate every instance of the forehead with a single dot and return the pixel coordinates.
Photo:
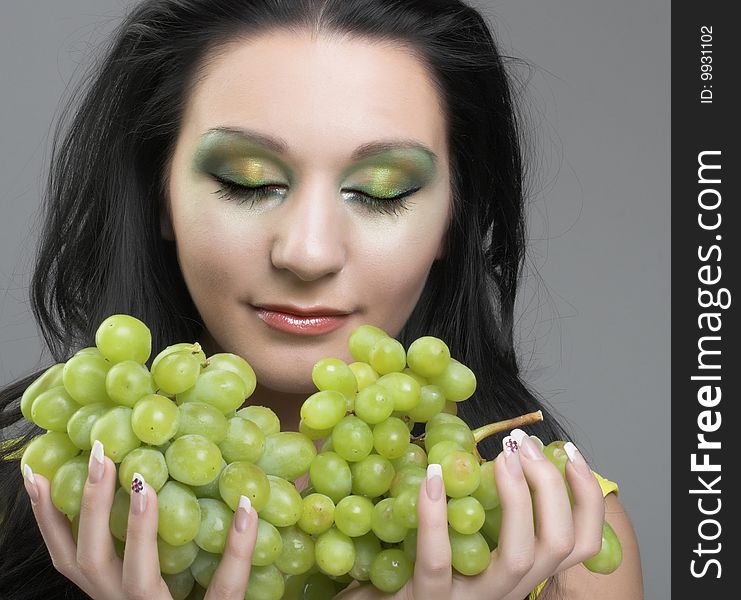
(323, 95)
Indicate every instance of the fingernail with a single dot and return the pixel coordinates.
(512, 456)
(96, 464)
(538, 442)
(242, 518)
(30, 482)
(526, 445)
(577, 459)
(434, 481)
(138, 494)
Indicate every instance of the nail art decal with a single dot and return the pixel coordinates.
(510, 445)
(137, 483)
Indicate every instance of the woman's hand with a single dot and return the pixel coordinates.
(541, 534)
(93, 565)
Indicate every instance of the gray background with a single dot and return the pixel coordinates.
(594, 311)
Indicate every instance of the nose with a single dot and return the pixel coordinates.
(310, 238)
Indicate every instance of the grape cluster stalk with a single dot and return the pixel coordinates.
(184, 426)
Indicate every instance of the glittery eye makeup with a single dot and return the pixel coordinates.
(245, 164)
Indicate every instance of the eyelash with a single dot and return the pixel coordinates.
(242, 194)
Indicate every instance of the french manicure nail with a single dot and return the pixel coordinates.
(96, 464)
(241, 520)
(138, 494)
(529, 449)
(512, 456)
(434, 481)
(538, 442)
(577, 459)
(33, 491)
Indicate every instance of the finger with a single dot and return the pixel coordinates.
(96, 554)
(588, 510)
(433, 573)
(514, 555)
(53, 525)
(141, 564)
(554, 525)
(229, 581)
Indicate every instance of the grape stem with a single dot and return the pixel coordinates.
(492, 428)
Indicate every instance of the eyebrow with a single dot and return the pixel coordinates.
(280, 146)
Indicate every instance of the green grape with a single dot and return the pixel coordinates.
(149, 462)
(610, 555)
(176, 372)
(285, 505)
(352, 515)
(118, 522)
(68, 484)
(244, 478)
(364, 374)
(429, 356)
(324, 409)
(203, 419)
(265, 583)
(409, 545)
(313, 434)
(179, 515)
(123, 337)
(119, 547)
(80, 424)
(405, 507)
(224, 390)
(90, 350)
(390, 570)
(287, 454)
(431, 402)
(84, 378)
(317, 513)
(441, 418)
(193, 459)
(383, 523)
(387, 356)
(244, 441)
(556, 454)
(450, 407)
(366, 548)
(216, 519)
(457, 382)
(155, 419)
(391, 438)
(194, 349)
(465, 515)
(47, 452)
(175, 559)
(407, 477)
(179, 584)
(461, 474)
(334, 374)
(361, 341)
(487, 493)
(352, 439)
(269, 544)
(262, 416)
(374, 404)
(470, 553)
(53, 408)
(453, 432)
(113, 429)
(128, 381)
(441, 450)
(226, 361)
(210, 489)
(413, 456)
(331, 475)
(335, 552)
(204, 566)
(422, 381)
(405, 391)
(298, 551)
(50, 378)
(372, 476)
(492, 526)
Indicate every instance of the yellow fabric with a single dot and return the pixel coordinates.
(607, 487)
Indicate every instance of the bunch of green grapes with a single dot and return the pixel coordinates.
(181, 424)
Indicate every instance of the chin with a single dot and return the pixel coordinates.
(287, 383)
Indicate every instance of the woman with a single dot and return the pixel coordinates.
(382, 148)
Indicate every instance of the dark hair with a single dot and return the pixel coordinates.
(101, 251)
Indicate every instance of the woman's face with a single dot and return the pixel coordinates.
(313, 238)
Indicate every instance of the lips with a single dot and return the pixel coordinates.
(305, 321)
(310, 311)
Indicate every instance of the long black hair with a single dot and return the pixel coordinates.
(101, 251)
